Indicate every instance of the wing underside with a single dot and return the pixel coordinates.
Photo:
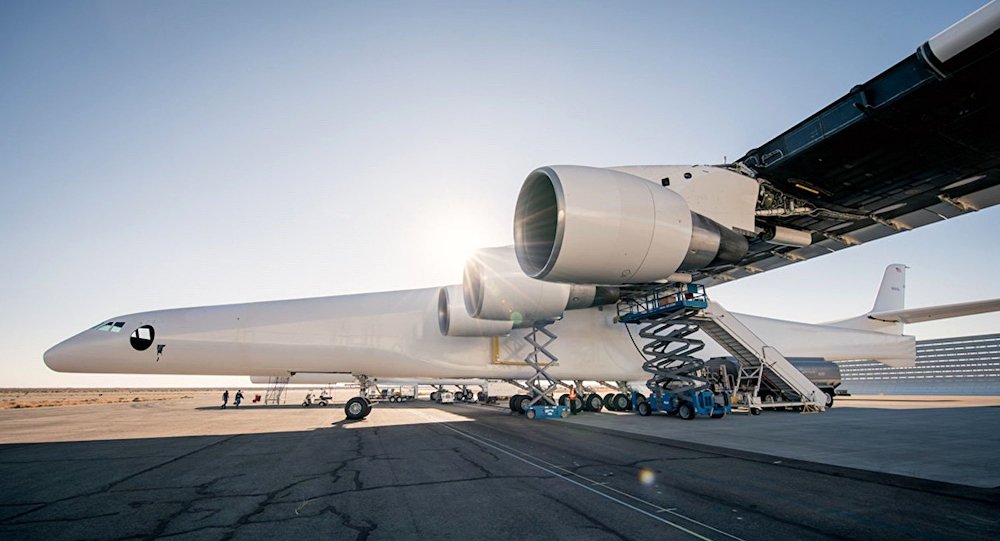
(915, 145)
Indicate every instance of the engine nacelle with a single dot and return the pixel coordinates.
(453, 320)
(495, 288)
(586, 225)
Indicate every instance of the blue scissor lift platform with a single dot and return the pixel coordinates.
(662, 305)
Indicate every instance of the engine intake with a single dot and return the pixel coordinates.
(585, 225)
(454, 321)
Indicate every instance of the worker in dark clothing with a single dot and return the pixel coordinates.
(225, 398)
(239, 398)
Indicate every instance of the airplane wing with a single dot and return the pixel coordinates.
(915, 145)
(931, 313)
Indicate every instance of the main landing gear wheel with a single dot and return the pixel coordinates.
(521, 403)
(357, 408)
(609, 401)
(564, 400)
(644, 409)
(621, 402)
(686, 411)
(576, 405)
(593, 403)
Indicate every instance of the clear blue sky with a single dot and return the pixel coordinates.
(181, 153)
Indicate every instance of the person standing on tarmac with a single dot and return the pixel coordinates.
(572, 394)
(239, 398)
(225, 398)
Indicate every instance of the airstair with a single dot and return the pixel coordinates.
(671, 313)
(276, 390)
(759, 363)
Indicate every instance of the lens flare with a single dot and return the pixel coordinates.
(647, 477)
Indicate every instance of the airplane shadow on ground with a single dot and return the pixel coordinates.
(366, 478)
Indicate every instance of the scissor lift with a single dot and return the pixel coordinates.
(678, 382)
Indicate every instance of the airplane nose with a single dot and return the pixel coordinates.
(59, 357)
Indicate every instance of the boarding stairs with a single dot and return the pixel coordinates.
(687, 304)
(759, 363)
(276, 390)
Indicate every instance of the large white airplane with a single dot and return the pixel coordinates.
(915, 145)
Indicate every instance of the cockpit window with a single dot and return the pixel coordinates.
(142, 338)
(111, 326)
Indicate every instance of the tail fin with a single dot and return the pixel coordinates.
(890, 297)
(891, 294)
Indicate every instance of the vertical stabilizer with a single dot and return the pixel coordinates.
(890, 297)
(891, 294)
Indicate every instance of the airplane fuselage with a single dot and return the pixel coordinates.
(396, 334)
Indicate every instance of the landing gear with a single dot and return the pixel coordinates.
(357, 408)
(520, 403)
(609, 401)
(593, 403)
(620, 402)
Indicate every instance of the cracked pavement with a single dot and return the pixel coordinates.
(187, 470)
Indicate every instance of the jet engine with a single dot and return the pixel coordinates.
(454, 321)
(496, 289)
(586, 225)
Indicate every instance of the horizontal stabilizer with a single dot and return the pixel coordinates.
(931, 313)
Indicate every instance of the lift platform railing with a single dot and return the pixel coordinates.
(647, 304)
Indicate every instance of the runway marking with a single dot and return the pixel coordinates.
(504, 449)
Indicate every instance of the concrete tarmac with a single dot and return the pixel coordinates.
(938, 438)
(187, 470)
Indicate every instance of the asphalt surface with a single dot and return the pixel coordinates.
(420, 470)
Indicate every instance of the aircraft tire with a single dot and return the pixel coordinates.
(564, 400)
(829, 399)
(608, 401)
(686, 411)
(594, 402)
(644, 409)
(576, 405)
(621, 402)
(357, 408)
(523, 402)
(510, 403)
